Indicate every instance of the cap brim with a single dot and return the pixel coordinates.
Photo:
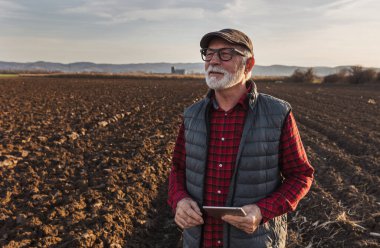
(208, 37)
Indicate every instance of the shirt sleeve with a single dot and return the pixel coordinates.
(296, 170)
(177, 180)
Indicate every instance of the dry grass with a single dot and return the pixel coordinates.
(137, 75)
(8, 75)
(270, 79)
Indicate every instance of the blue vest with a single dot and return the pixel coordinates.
(256, 174)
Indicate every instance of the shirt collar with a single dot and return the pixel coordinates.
(243, 101)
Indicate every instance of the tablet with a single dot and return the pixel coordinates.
(218, 212)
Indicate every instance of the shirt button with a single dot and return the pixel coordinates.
(225, 114)
(219, 192)
(219, 242)
(222, 138)
(220, 165)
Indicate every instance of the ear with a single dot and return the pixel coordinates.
(249, 64)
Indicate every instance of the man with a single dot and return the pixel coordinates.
(237, 148)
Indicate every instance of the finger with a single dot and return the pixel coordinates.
(195, 207)
(250, 230)
(250, 227)
(233, 219)
(235, 224)
(194, 215)
(180, 223)
(240, 223)
(189, 215)
(194, 221)
(187, 219)
(190, 208)
(186, 222)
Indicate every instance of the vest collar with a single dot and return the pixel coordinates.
(252, 94)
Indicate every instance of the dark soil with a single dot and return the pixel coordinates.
(84, 162)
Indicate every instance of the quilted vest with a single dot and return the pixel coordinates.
(256, 173)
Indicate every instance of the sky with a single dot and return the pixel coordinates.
(287, 32)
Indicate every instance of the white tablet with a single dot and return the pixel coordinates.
(218, 212)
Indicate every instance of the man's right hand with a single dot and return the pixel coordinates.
(188, 214)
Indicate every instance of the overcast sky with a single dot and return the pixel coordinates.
(298, 32)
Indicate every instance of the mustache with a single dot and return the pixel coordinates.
(216, 69)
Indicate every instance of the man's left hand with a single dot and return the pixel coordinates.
(248, 223)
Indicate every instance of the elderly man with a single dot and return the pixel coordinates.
(236, 147)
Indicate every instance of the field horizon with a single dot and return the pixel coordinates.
(164, 67)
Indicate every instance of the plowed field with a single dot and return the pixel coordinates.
(84, 162)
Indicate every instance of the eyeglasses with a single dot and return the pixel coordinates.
(225, 54)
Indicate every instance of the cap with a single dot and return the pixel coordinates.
(232, 36)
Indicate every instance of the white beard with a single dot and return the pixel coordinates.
(228, 80)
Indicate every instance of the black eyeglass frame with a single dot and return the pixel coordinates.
(231, 53)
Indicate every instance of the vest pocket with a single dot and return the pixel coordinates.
(237, 233)
(192, 237)
(262, 237)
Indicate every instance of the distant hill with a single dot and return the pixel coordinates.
(258, 70)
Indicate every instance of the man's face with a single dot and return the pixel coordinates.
(224, 74)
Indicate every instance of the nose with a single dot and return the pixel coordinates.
(215, 59)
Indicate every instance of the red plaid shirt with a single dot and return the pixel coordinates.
(225, 132)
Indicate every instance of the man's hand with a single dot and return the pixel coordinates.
(248, 223)
(188, 214)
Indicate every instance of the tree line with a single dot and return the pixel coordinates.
(353, 75)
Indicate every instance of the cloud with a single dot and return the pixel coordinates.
(145, 30)
(9, 5)
(117, 11)
(352, 11)
(163, 14)
(8, 9)
(335, 5)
